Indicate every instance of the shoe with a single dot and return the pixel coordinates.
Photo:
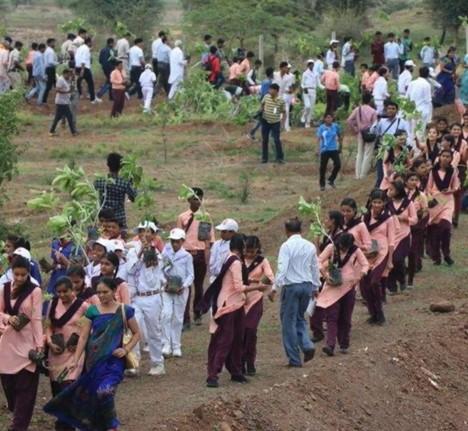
(437, 263)
(177, 353)
(212, 383)
(251, 370)
(251, 137)
(449, 261)
(322, 188)
(328, 351)
(332, 184)
(309, 355)
(317, 338)
(344, 351)
(76, 133)
(197, 320)
(52, 134)
(409, 286)
(294, 365)
(166, 351)
(98, 100)
(307, 126)
(239, 379)
(280, 162)
(264, 161)
(403, 287)
(131, 372)
(371, 320)
(380, 321)
(392, 292)
(157, 370)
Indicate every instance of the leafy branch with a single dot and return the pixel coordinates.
(186, 193)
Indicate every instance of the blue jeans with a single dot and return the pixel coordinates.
(294, 301)
(393, 66)
(38, 90)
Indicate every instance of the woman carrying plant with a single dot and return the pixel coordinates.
(62, 335)
(110, 268)
(396, 159)
(461, 147)
(338, 296)
(418, 230)
(88, 403)
(354, 225)
(404, 210)
(382, 228)
(443, 183)
(22, 338)
(259, 273)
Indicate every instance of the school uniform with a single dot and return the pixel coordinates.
(92, 270)
(220, 251)
(178, 264)
(338, 301)
(358, 229)
(18, 374)
(147, 80)
(462, 148)
(388, 169)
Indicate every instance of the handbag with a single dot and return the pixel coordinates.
(367, 135)
(131, 361)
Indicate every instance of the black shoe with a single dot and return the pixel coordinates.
(309, 355)
(212, 383)
(328, 351)
(239, 379)
(344, 350)
(437, 262)
(280, 162)
(322, 188)
(449, 261)
(251, 370)
(186, 327)
(317, 338)
(380, 321)
(332, 184)
(403, 287)
(294, 365)
(371, 320)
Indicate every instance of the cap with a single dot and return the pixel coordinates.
(142, 225)
(310, 60)
(21, 251)
(410, 63)
(103, 243)
(148, 66)
(289, 65)
(334, 41)
(152, 226)
(178, 42)
(228, 224)
(177, 234)
(117, 244)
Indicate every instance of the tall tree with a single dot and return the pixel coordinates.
(446, 13)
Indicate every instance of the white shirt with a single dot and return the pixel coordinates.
(135, 56)
(330, 58)
(83, 56)
(380, 91)
(420, 92)
(285, 82)
(347, 53)
(154, 46)
(403, 81)
(163, 53)
(428, 54)
(147, 79)
(219, 253)
(391, 51)
(122, 47)
(179, 264)
(50, 57)
(91, 270)
(66, 47)
(297, 263)
(318, 67)
(310, 79)
(144, 279)
(177, 64)
(77, 42)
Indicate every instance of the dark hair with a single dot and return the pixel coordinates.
(82, 31)
(207, 37)
(138, 40)
(88, 41)
(18, 44)
(336, 217)
(118, 62)
(253, 242)
(21, 262)
(400, 189)
(406, 30)
(336, 64)
(213, 49)
(237, 243)
(456, 125)
(349, 202)
(418, 162)
(258, 62)
(164, 39)
(77, 270)
(250, 54)
(110, 41)
(391, 35)
(345, 240)
(66, 70)
(199, 193)
(366, 98)
(34, 45)
(347, 39)
(283, 64)
(391, 103)
(365, 65)
(70, 36)
(293, 225)
(162, 33)
(220, 41)
(443, 119)
(410, 174)
(41, 46)
(424, 72)
(114, 220)
(382, 70)
(114, 162)
(446, 151)
(50, 40)
(378, 33)
(114, 259)
(269, 72)
(106, 214)
(328, 114)
(274, 87)
(108, 282)
(374, 67)
(377, 194)
(450, 139)
(64, 281)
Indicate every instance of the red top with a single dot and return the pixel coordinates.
(377, 51)
(215, 67)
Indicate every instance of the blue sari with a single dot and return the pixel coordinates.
(446, 94)
(88, 404)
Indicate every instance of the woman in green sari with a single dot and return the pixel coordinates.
(88, 404)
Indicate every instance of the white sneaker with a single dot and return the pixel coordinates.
(131, 372)
(166, 351)
(177, 353)
(157, 370)
(307, 126)
(127, 96)
(146, 348)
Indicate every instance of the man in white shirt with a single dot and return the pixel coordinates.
(298, 277)
(177, 68)
(348, 55)
(122, 47)
(428, 53)
(309, 83)
(83, 69)
(50, 60)
(62, 102)
(332, 55)
(154, 50)
(77, 42)
(14, 65)
(405, 77)
(163, 57)
(380, 91)
(420, 92)
(147, 81)
(136, 59)
(285, 81)
(66, 50)
(318, 65)
(220, 249)
(392, 51)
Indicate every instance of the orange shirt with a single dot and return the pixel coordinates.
(365, 78)
(331, 80)
(235, 71)
(244, 67)
(192, 243)
(371, 81)
(117, 79)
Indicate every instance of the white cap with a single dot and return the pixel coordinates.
(21, 251)
(289, 65)
(334, 41)
(410, 63)
(148, 66)
(177, 234)
(117, 244)
(103, 243)
(228, 224)
(142, 225)
(152, 226)
(310, 60)
(178, 42)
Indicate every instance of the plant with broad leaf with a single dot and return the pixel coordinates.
(313, 211)
(186, 193)
(389, 142)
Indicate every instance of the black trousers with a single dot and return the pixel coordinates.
(88, 77)
(324, 158)
(275, 130)
(163, 76)
(51, 80)
(332, 101)
(63, 111)
(135, 73)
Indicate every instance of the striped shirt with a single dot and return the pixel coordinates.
(272, 109)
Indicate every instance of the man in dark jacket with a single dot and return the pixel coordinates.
(107, 58)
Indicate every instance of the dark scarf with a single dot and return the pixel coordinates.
(381, 218)
(354, 222)
(404, 204)
(86, 294)
(415, 195)
(246, 270)
(25, 292)
(442, 184)
(326, 240)
(340, 263)
(62, 321)
(210, 298)
(423, 184)
(432, 153)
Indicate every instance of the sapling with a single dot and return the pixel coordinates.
(204, 219)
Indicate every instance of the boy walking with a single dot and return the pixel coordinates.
(329, 140)
(62, 103)
(273, 107)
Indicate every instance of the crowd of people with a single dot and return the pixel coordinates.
(131, 292)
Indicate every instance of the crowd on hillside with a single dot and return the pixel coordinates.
(129, 292)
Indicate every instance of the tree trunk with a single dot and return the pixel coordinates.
(466, 36)
(442, 36)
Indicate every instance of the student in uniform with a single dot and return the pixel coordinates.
(397, 156)
(98, 251)
(220, 250)
(62, 335)
(381, 226)
(20, 315)
(81, 288)
(429, 149)
(259, 274)
(178, 269)
(338, 301)
(404, 210)
(200, 251)
(354, 225)
(461, 146)
(443, 183)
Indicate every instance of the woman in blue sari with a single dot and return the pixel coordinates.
(445, 95)
(88, 403)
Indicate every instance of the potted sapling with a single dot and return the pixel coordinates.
(205, 224)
